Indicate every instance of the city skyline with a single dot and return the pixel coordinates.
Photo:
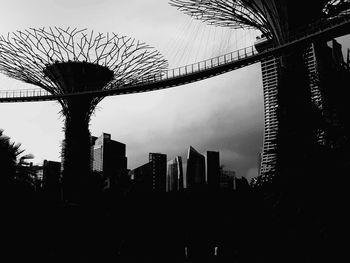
(224, 113)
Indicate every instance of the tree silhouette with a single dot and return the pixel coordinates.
(13, 164)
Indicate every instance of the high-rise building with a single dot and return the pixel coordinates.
(269, 68)
(92, 143)
(51, 172)
(212, 169)
(259, 162)
(316, 56)
(109, 158)
(158, 162)
(241, 184)
(195, 170)
(51, 180)
(228, 180)
(152, 176)
(141, 178)
(175, 178)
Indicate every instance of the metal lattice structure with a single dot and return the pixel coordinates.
(226, 13)
(24, 55)
(266, 16)
(64, 61)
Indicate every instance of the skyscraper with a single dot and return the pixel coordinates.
(269, 68)
(195, 171)
(228, 180)
(212, 169)
(142, 178)
(109, 158)
(158, 162)
(51, 182)
(175, 179)
(92, 143)
(259, 162)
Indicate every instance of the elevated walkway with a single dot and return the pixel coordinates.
(321, 30)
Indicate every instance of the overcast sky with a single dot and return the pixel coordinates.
(224, 113)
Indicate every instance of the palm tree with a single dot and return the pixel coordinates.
(8, 153)
(13, 165)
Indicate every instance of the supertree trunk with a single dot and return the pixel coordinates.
(76, 150)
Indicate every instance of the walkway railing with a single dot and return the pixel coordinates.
(23, 93)
(162, 76)
(184, 71)
(201, 66)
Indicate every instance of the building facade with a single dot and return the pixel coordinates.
(50, 173)
(212, 169)
(141, 178)
(195, 170)
(228, 180)
(269, 69)
(109, 158)
(158, 162)
(152, 176)
(175, 178)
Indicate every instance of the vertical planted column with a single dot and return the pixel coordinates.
(76, 151)
(77, 77)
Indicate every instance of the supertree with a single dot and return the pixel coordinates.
(64, 61)
(278, 20)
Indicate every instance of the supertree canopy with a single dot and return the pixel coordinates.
(30, 55)
(64, 61)
(274, 18)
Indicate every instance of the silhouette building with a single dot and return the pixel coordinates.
(212, 169)
(141, 178)
(109, 158)
(92, 144)
(228, 180)
(269, 68)
(175, 178)
(158, 163)
(152, 176)
(195, 170)
(259, 162)
(51, 180)
(241, 184)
